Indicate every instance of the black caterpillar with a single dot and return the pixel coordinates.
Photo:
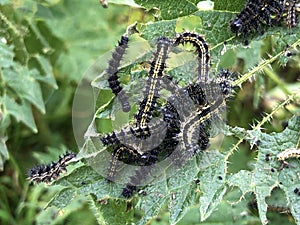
(46, 173)
(201, 48)
(290, 9)
(132, 156)
(148, 104)
(113, 70)
(259, 14)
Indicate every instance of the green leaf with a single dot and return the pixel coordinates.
(228, 5)
(6, 54)
(53, 215)
(113, 211)
(169, 9)
(21, 111)
(21, 79)
(155, 199)
(251, 55)
(266, 174)
(87, 38)
(226, 213)
(47, 75)
(182, 188)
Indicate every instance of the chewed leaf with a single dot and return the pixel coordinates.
(268, 172)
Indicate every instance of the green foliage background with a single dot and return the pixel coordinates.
(45, 48)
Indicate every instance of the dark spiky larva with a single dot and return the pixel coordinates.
(113, 70)
(257, 15)
(198, 96)
(128, 191)
(151, 94)
(195, 135)
(120, 153)
(130, 156)
(197, 126)
(202, 50)
(163, 150)
(47, 173)
(110, 139)
(290, 9)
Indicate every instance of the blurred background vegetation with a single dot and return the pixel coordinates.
(46, 46)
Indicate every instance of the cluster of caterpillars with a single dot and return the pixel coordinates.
(184, 119)
(187, 114)
(259, 14)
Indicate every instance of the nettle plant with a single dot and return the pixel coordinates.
(168, 81)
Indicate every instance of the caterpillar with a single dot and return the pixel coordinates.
(46, 173)
(144, 154)
(128, 190)
(201, 48)
(149, 157)
(256, 15)
(157, 127)
(286, 154)
(148, 104)
(195, 129)
(120, 153)
(272, 208)
(113, 71)
(290, 9)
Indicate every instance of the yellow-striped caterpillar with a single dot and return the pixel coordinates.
(195, 129)
(131, 150)
(290, 9)
(201, 48)
(46, 173)
(148, 104)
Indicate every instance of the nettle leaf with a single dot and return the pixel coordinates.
(6, 58)
(169, 9)
(86, 38)
(53, 215)
(21, 111)
(178, 192)
(46, 74)
(228, 5)
(267, 174)
(21, 80)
